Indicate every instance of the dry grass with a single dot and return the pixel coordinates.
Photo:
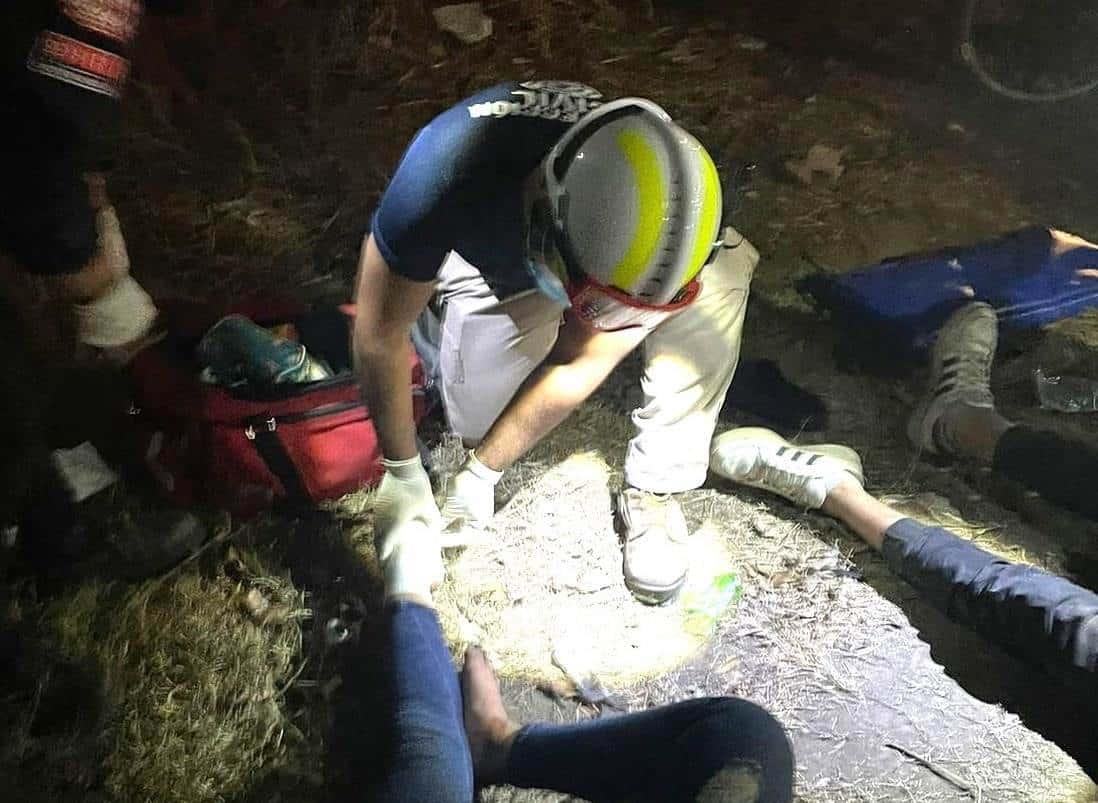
(197, 667)
(544, 591)
(543, 584)
(847, 674)
(199, 682)
(883, 205)
(930, 508)
(1082, 329)
(838, 665)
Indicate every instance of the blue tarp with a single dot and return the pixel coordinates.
(1032, 277)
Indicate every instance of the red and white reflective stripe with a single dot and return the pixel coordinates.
(609, 309)
(78, 63)
(115, 19)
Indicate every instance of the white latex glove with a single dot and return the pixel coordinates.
(121, 312)
(121, 316)
(407, 528)
(471, 494)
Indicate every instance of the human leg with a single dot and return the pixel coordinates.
(59, 225)
(486, 347)
(862, 512)
(720, 749)
(1023, 609)
(1038, 616)
(710, 750)
(427, 753)
(958, 418)
(58, 539)
(1060, 469)
(689, 363)
(480, 350)
(33, 496)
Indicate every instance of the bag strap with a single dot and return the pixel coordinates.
(262, 431)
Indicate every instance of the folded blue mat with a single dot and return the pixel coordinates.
(1032, 277)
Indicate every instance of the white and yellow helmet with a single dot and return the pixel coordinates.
(635, 201)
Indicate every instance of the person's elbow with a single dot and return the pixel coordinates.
(375, 339)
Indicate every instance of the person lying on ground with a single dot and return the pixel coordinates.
(1026, 611)
(958, 418)
(535, 235)
(449, 739)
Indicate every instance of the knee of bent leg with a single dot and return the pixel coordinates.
(741, 754)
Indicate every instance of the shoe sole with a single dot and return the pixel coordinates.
(846, 457)
(655, 595)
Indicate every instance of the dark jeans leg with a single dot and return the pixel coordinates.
(1061, 470)
(1039, 616)
(429, 760)
(664, 755)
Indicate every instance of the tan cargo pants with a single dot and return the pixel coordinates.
(481, 349)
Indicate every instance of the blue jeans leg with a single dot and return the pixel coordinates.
(429, 760)
(664, 755)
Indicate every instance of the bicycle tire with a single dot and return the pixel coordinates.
(972, 60)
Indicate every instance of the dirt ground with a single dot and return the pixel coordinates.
(258, 176)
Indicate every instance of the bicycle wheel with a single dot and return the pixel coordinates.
(1032, 50)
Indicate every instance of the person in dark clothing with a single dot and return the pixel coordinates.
(1038, 616)
(447, 737)
(63, 68)
(958, 418)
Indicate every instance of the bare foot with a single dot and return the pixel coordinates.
(487, 727)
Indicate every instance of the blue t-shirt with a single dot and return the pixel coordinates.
(459, 185)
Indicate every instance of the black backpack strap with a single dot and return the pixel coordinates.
(262, 431)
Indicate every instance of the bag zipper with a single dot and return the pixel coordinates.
(293, 390)
(319, 412)
(270, 423)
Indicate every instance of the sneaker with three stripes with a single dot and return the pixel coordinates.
(960, 373)
(763, 459)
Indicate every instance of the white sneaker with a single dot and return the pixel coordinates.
(960, 370)
(763, 459)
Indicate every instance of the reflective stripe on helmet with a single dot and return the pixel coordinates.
(710, 216)
(635, 200)
(651, 192)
